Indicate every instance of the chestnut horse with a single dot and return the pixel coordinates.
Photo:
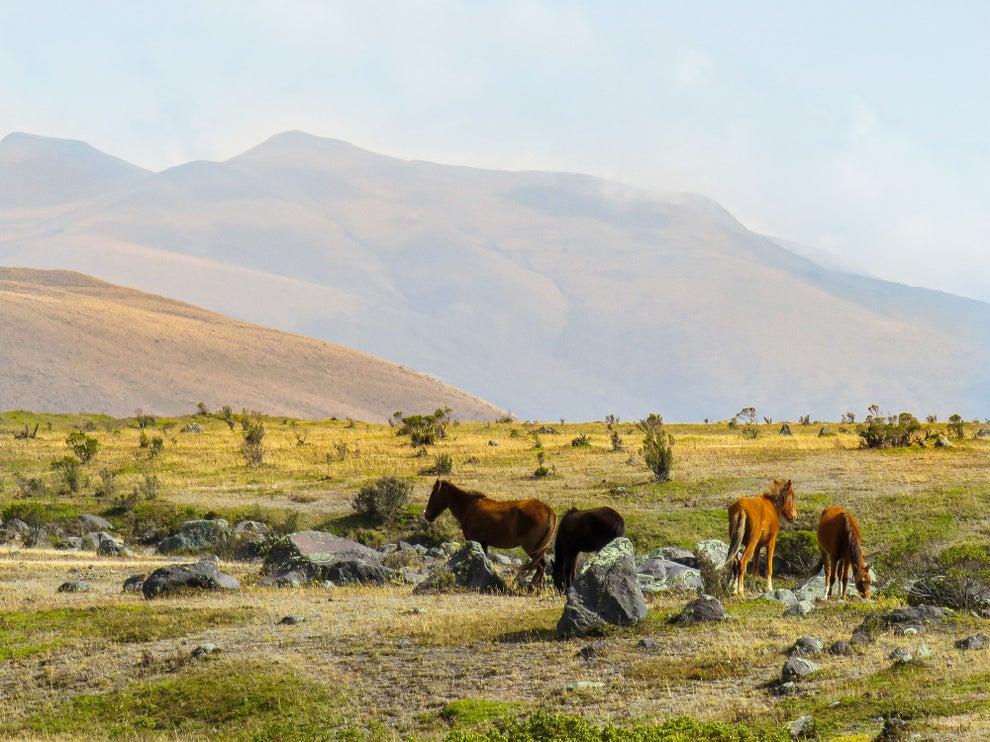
(755, 521)
(504, 524)
(582, 530)
(841, 550)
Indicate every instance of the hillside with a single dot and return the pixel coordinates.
(74, 343)
(550, 294)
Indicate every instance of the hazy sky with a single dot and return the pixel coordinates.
(861, 129)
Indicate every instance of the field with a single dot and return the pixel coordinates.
(384, 663)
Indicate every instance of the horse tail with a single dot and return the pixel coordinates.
(738, 533)
(541, 548)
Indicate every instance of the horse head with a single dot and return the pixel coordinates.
(787, 508)
(863, 581)
(437, 503)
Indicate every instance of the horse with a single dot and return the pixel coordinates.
(841, 550)
(504, 524)
(755, 521)
(582, 530)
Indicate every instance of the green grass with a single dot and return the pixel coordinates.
(215, 701)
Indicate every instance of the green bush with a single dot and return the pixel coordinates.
(253, 447)
(82, 445)
(895, 433)
(657, 446)
(382, 500)
(425, 430)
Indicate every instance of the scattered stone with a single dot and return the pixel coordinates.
(194, 428)
(797, 668)
(592, 652)
(74, 586)
(134, 584)
(317, 556)
(923, 652)
(825, 432)
(801, 727)
(800, 609)
(943, 442)
(493, 442)
(197, 535)
(781, 595)
(648, 644)
(911, 618)
(69, 543)
(900, 656)
(206, 649)
(704, 609)
(807, 646)
(94, 523)
(109, 546)
(977, 641)
(203, 575)
(290, 621)
(583, 685)
(605, 593)
(787, 688)
(671, 554)
(660, 575)
(840, 648)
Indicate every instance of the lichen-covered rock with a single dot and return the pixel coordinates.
(605, 593)
(203, 575)
(196, 535)
(318, 556)
(704, 609)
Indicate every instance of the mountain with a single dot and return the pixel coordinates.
(73, 343)
(553, 295)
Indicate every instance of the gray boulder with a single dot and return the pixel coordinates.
(173, 578)
(704, 609)
(605, 593)
(109, 546)
(658, 575)
(800, 609)
(976, 641)
(74, 586)
(911, 619)
(798, 667)
(807, 646)
(307, 556)
(468, 568)
(94, 523)
(197, 535)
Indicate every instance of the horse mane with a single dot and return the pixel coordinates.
(776, 493)
(852, 537)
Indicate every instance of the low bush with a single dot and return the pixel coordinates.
(382, 500)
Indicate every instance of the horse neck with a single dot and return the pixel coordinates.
(777, 498)
(855, 548)
(458, 502)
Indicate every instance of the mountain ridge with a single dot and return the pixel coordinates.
(549, 294)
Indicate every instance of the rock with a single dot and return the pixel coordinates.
(318, 556)
(194, 428)
(711, 552)
(800, 609)
(204, 650)
(109, 546)
(473, 570)
(203, 575)
(592, 652)
(94, 523)
(69, 543)
(938, 590)
(807, 646)
(671, 554)
(74, 586)
(840, 648)
(648, 643)
(915, 618)
(977, 641)
(659, 575)
(704, 609)
(781, 595)
(134, 584)
(785, 429)
(196, 535)
(801, 727)
(797, 668)
(290, 621)
(605, 593)
(900, 656)
(943, 442)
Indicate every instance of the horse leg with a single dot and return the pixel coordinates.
(740, 564)
(829, 575)
(570, 570)
(769, 550)
(842, 567)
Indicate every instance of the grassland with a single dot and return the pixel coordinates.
(383, 663)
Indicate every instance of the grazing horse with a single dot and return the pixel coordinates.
(841, 550)
(504, 524)
(582, 530)
(755, 522)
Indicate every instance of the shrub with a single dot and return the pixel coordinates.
(958, 577)
(70, 470)
(31, 486)
(581, 441)
(442, 464)
(899, 432)
(955, 427)
(425, 430)
(82, 445)
(253, 447)
(796, 553)
(382, 500)
(657, 446)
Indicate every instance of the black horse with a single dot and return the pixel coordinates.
(582, 530)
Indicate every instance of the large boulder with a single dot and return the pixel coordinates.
(904, 620)
(703, 609)
(468, 568)
(173, 578)
(307, 556)
(605, 593)
(197, 535)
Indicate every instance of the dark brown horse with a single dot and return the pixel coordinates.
(755, 522)
(841, 550)
(504, 524)
(582, 530)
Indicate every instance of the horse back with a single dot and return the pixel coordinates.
(838, 532)
(589, 530)
(761, 517)
(505, 524)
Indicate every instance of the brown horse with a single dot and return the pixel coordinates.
(504, 524)
(582, 530)
(755, 521)
(841, 550)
